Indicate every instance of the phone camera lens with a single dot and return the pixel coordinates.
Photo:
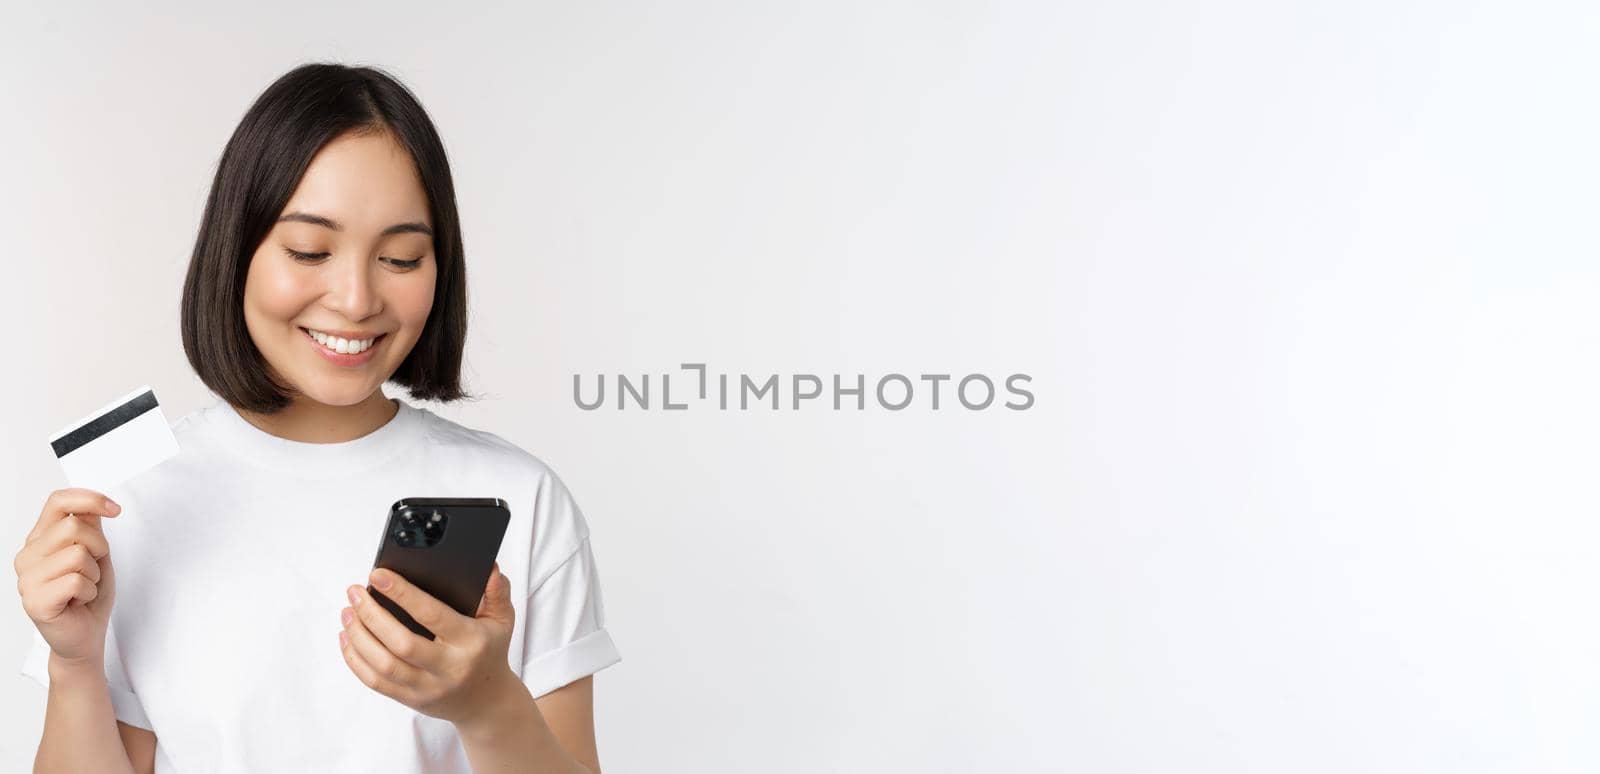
(403, 537)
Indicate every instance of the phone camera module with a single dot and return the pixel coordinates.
(421, 530)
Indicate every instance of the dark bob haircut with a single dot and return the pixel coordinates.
(260, 168)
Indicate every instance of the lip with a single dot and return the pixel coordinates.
(347, 361)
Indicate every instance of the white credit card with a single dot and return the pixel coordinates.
(124, 438)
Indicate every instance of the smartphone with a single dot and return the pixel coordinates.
(445, 546)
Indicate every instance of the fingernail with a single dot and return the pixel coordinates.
(343, 640)
(112, 507)
(355, 598)
(381, 580)
(345, 616)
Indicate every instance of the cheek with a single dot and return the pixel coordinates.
(412, 302)
(272, 294)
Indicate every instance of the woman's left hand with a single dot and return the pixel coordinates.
(452, 677)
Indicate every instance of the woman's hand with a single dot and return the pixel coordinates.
(452, 677)
(64, 575)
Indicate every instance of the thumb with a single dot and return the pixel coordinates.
(496, 602)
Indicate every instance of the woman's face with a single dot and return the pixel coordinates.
(365, 270)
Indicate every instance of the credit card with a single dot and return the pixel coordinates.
(126, 437)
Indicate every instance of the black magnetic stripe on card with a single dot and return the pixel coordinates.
(104, 423)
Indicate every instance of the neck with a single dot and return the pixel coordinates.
(308, 421)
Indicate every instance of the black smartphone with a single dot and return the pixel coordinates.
(445, 546)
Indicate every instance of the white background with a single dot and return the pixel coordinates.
(1307, 292)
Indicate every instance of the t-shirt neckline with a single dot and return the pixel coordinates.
(318, 460)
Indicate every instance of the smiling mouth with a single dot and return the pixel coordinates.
(340, 346)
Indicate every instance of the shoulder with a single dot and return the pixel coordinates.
(195, 423)
(481, 447)
(524, 475)
(201, 432)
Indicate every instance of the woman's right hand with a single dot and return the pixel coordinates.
(64, 575)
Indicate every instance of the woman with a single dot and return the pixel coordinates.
(329, 261)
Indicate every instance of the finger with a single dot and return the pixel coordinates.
(73, 558)
(389, 667)
(54, 596)
(444, 622)
(75, 500)
(83, 530)
(364, 671)
(411, 647)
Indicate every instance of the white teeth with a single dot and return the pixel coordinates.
(342, 346)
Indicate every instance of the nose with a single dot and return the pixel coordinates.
(352, 289)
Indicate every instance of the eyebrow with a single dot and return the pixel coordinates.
(318, 220)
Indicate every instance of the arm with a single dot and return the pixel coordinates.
(518, 733)
(141, 746)
(80, 727)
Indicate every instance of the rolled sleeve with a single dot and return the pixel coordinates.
(564, 636)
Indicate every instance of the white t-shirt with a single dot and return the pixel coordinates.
(232, 561)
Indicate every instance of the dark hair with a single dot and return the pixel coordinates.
(260, 168)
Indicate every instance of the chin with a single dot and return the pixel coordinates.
(337, 395)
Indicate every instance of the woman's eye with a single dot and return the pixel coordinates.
(314, 257)
(305, 257)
